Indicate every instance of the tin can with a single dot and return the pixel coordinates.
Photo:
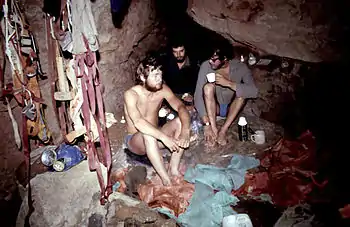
(59, 165)
(49, 156)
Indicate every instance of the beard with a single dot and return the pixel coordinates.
(216, 67)
(180, 59)
(155, 88)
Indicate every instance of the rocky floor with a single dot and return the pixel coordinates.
(200, 153)
(54, 191)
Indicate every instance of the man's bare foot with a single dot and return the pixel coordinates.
(210, 143)
(166, 182)
(222, 138)
(210, 136)
(175, 172)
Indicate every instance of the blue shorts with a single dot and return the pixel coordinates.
(133, 157)
(127, 139)
(223, 110)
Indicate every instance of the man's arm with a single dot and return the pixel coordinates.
(245, 88)
(198, 95)
(142, 125)
(179, 107)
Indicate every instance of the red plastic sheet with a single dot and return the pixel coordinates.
(175, 198)
(288, 172)
(345, 211)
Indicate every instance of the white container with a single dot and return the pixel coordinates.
(242, 129)
(258, 137)
(237, 220)
(211, 77)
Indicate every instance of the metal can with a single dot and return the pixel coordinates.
(59, 165)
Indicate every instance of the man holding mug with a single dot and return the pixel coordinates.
(223, 94)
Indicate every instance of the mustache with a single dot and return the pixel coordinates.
(180, 59)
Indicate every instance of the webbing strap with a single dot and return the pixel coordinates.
(88, 84)
(26, 151)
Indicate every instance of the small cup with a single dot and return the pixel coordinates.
(258, 137)
(211, 77)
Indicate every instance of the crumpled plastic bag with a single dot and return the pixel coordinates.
(206, 209)
(175, 198)
(223, 179)
(70, 155)
(290, 170)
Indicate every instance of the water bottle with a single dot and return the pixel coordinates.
(242, 129)
(195, 122)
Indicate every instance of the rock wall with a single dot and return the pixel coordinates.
(122, 49)
(298, 29)
(278, 99)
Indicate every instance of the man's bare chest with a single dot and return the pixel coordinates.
(149, 105)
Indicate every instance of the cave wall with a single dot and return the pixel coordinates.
(299, 29)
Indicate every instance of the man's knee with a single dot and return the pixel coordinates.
(237, 102)
(209, 90)
(239, 99)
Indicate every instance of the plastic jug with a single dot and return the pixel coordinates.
(237, 220)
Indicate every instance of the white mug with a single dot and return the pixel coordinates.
(258, 137)
(211, 77)
(237, 220)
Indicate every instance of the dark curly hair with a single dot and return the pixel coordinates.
(223, 51)
(152, 60)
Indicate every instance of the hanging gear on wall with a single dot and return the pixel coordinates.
(85, 44)
(24, 66)
(94, 116)
(74, 31)
(22, 54)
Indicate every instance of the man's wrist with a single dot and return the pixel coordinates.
(162, 137)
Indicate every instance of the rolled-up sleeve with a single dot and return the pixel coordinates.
(246, 88)
(198, 94)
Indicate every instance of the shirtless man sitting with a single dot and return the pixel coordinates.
(142, 104)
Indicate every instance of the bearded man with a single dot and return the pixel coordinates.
(142, 104)
(180, 72)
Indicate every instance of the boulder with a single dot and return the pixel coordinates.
(298, 29)
(68, 198)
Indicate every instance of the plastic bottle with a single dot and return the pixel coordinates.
(195, 122)
(237, 220)
(242, 129)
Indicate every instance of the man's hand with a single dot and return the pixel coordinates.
(210, 135)
(170, 143)
(222, 81)
(184, 140)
